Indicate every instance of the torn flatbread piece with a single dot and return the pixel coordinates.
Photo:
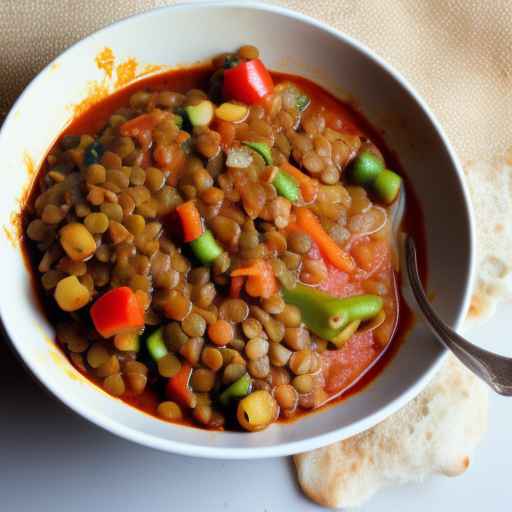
(490, 186)
(435, 433)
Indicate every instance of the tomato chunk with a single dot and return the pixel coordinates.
(117, 311)
(178, 389)
(372, 255)
(342, 367)
(248, 82)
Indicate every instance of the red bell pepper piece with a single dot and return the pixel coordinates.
(117, 311)
(248, 82)
(177, 387)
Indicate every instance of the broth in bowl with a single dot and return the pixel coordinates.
(214, 245)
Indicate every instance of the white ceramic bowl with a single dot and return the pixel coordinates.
(289, 42)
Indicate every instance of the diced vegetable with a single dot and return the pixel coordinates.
(256, 411)
(232, 112)
(365, 169)
(302, 102)
(178, 387)
(127, 342)
(238, 389)
(261, 281)
(200, 114)
(249, 82)
(71, 294)
(117, 311)
(77, 241)
(156, 345)
(206, 248)
(331, 251)
(340, 339)
(286, 186)
(326, 315)
(387, 186)
(93, 153)
(239, 158)
(262, 149)
(191, 221)
(137, 125)
(308, 186)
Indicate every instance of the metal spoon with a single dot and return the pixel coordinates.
(494, 369)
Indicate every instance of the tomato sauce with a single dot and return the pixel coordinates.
(345, 371)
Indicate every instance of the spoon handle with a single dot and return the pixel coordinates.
(494, 369)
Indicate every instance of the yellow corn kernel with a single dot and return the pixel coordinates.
(71, 294)
(232, 112)
(76, 240)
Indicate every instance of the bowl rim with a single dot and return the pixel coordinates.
(286, 448)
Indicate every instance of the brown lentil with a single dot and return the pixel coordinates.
(286, 396)
(168, 365)
(220, 332)
(169, 411)
(212, 358)
(303, 383)
(114, 385)
(194, 325)
(234, 310)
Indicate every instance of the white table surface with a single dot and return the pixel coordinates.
(53, 460)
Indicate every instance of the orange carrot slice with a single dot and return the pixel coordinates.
(331, 251)
(138, 124)
(261, 281)
(190, 221)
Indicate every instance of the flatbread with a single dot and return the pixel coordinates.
(435, 433)
(490, 185)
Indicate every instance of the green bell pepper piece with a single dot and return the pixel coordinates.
(156, 345)
(286, 186)
(206, 248)
(365, 169)
(262, 149)
(239, 389)
(326, 315)
(387, 186)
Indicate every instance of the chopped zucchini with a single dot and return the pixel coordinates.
(200, 114)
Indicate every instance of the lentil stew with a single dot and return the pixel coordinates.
(214, 245)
